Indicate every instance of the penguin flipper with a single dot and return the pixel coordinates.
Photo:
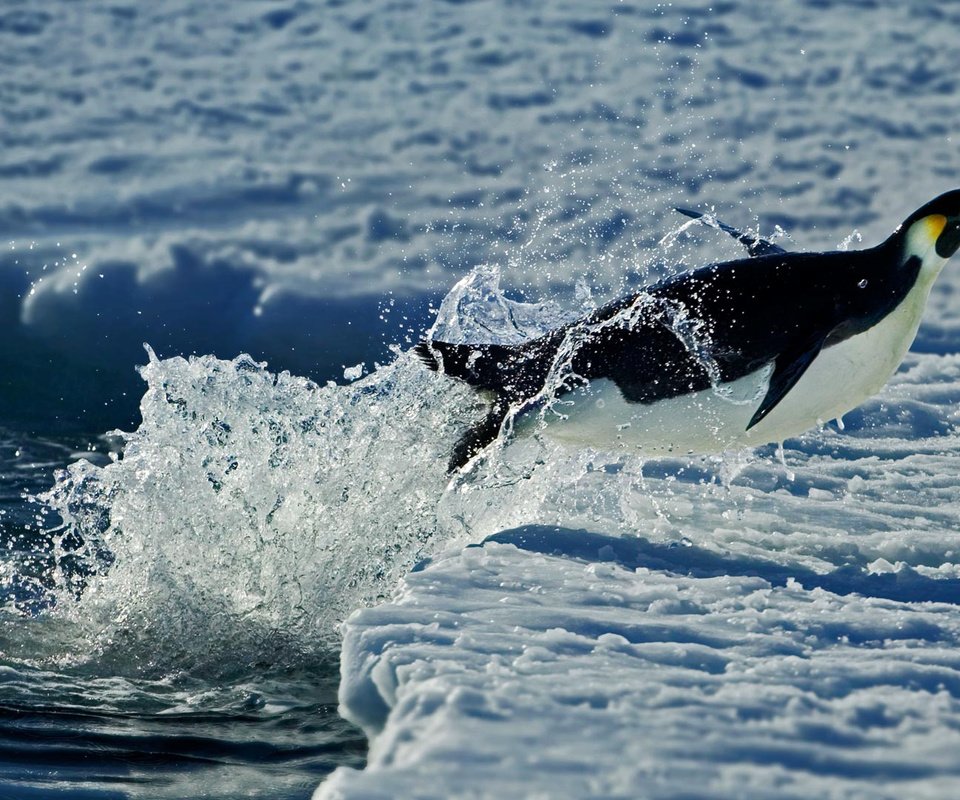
(756, 246)
(788, 369)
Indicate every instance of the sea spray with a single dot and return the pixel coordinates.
(251, 511)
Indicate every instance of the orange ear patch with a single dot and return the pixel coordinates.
(933, 226)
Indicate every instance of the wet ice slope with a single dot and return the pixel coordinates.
(513, 674)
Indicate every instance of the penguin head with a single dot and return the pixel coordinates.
(932, 232)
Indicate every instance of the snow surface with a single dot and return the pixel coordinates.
(625, 672)
(226, 177)
(756, 636)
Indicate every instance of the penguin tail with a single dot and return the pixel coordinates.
(484, 366)
(487, 367)
(427, 355)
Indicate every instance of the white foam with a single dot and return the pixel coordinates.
(253, 510)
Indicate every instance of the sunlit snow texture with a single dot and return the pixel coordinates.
(763, 639)
(512, 673)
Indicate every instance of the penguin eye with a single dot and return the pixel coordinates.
(948, 242)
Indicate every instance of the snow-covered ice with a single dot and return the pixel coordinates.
(753, 637)
(511, 673)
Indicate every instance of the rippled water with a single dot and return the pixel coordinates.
(117, 709)
(266, 735)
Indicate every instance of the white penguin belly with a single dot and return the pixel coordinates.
(701, 422)
(839, 379)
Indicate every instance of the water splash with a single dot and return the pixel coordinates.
(251, 511)
(476, 311)
(855, 237)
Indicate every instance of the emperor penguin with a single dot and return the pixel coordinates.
(732, 354)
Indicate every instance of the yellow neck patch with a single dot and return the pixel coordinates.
(933, 226)
(923, 234)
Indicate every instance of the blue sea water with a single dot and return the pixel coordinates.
(303, 182)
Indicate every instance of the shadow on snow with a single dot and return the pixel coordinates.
(906, 585)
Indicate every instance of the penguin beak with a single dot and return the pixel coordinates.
(948, 242)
